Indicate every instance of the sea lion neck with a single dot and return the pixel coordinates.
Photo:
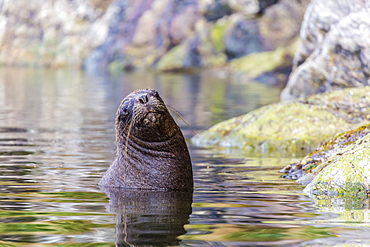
(127, 145)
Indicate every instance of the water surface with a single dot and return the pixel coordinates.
(57, 139)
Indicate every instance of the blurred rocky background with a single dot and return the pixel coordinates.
(325, 43)
(334, 50)
(168, 35)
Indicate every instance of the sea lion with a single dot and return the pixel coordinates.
(151, 152)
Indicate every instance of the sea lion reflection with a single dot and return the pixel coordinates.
(149, 217)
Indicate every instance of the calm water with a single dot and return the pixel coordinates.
(57, 139)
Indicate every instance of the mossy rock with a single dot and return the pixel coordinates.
(345, 173)
(294, 125)
(182, 57)
(255, 64)
(306, 168)
(217, 36)
(174, 59)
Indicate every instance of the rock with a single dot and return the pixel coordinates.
(259, 63)
(292, 125)
(335, 49)
(109, 50)
(243, 38)
(307, 168)
(345, 173)
(183, 57)
(250, 8)
(278, 24)
(216, 10)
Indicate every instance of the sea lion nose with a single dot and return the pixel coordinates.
(143, 99)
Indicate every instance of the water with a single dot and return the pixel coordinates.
(57, 139)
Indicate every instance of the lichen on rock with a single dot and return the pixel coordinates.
(307, 168)
(292, 125)
(256, 64)
(346, 172)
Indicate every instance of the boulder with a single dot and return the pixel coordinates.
(347, 172)
(257, 64)
(308, 167)
(334, 52)
(215, 10)
(183, 57)
(292, 125)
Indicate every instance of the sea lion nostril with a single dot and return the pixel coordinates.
(143, 99)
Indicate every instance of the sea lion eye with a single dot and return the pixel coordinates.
(123, 115)
(125, 111)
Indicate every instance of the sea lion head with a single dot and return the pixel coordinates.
(143, 114)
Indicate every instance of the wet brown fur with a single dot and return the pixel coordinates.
(151, 152)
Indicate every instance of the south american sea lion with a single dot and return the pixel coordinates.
(151, 152)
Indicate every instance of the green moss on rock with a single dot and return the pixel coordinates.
(290, 126)
(180, 58)
(173, 59)
(255, 64)
(347, 172)
(313, 163)
(217, 34)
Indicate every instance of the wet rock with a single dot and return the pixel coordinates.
(335, 49)
(316, 161)
(347, 172)
(292, 125)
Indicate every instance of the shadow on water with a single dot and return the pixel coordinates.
(149, 217)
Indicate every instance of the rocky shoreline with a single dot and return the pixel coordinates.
(327, 101)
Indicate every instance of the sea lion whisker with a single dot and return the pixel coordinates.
(127, 125)
(127, 139)
(178, 115)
